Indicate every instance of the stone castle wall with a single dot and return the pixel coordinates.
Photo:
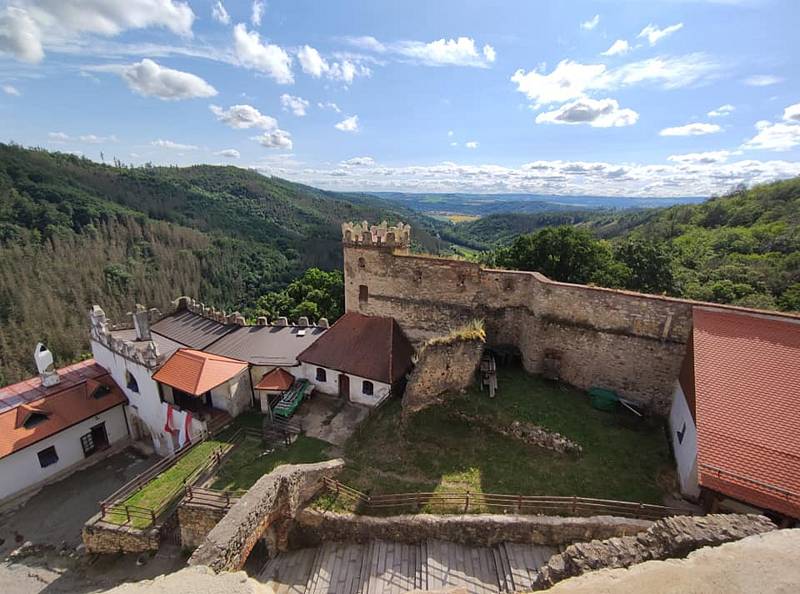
(629, 342)
(441, 368)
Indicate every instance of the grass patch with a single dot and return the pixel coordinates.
(472, 330)
(622, 459)
(251, 460)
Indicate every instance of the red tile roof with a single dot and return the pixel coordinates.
(32, 389)
(196, 372)
(367, 346)
(747, 371)
(277, 380)
(65, 404)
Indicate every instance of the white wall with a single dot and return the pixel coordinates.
(22, 470)
(680, 420)
(331, 385)
(146, 404)
(234, 396)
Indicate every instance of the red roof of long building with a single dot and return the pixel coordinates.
(85, 390)
(747, 379)
(367, 346)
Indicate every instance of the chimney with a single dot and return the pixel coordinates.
(282, 321)
(322, 322)
(302, 321)
(262, 320)
(141, 321)
(44, 363)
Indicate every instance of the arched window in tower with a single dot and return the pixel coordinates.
(130, 382)
(362, 263)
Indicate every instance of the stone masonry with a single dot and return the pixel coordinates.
(669, 538)
(266, 510)
(313, 527)
(196, 521)
(442, 367)
(630, 342)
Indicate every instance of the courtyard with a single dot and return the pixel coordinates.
(440, 450)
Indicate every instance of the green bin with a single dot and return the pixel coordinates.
(603, 399)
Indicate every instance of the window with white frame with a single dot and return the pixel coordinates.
(322, 376)
(48, 456)
(367, 388)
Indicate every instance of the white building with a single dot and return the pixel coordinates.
(360, 358)
(55, 424)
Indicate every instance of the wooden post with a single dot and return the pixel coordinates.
(519, 504)
(128, 513)
(574, 505)
(466, 503)
(152, 517)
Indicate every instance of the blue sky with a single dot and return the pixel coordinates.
(613, 97)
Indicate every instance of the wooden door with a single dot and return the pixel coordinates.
(344, 386)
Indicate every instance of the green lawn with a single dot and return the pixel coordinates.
(243, 466)
(622, 459)
(250, 461)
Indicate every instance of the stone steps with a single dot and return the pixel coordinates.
(387, 567)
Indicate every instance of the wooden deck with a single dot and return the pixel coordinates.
(382, 567)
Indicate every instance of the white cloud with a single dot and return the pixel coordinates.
(571, 80)
(241, 117)
(600, 113)
(11, 90)
(268, 58)
(792, 113)
(315, 65)
(348, 124)
(94, 139)
(472, 144)
(774, 137)
(58, 137)
(707, 158)
(450, 133)
(329, 105)
(693, 129)
(461, 51)
(296, 105)
(591, 23)
(653, 34)
(722, 111)
(619, 47)
(358, 162)
(228, 153)
(28, 26)
(257, 13)
(454, 144)
(279, 139)
(177, 146)
(675, 178)
(762, 80)
(150, 79)
(219, 14)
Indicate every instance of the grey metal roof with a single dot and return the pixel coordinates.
(191, 329)
(267, 345)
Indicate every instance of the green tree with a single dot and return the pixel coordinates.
(649, 264)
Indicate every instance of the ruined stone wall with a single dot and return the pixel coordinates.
(107, 538)
(314, 527)
(629, 342)
(196, 521)
(441, 367)
(270, 504)
(670, 538)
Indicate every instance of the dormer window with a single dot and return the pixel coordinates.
(35, 418)
(131, 383)
(367, 388)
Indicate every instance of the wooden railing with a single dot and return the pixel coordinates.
(113, 508)
(211, 497)
(468, 502)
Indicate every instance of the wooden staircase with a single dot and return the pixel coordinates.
(385, 567)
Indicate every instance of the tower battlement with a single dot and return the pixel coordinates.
(382, 236)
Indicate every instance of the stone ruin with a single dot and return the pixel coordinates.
(383, 235)
(143, 351)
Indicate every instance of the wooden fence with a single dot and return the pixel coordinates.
(211, 497)
(468, 502)
(113, 508)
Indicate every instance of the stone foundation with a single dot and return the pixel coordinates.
(441, 368)
(196, 521)
(666, 539)
(268, 508)
(107, 538)
(313, 527)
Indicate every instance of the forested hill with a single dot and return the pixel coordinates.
(74, 232)
(742, 248)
